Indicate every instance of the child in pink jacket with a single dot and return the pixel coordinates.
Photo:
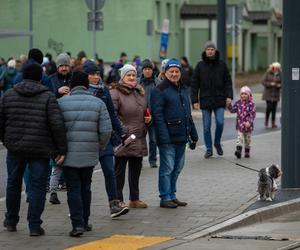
(245, 109)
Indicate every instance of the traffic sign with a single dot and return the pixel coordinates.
(94, 4)
(97, 20)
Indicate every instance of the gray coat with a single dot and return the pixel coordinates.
(88, 127)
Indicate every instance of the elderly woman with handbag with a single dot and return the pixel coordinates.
(130, 104)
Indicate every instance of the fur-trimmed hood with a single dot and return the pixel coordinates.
(126, 89)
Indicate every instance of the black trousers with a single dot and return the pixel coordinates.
(271, 109)
(134, 172)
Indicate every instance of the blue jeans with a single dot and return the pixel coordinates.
(152, 145)
(78, 181)
(171, 164)
(38, 173)
(108, 168)
(26, 178)
(206, 117)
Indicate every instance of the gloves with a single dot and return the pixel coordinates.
(192, 144)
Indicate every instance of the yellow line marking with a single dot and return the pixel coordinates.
(121, 242)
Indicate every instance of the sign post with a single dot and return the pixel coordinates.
(290, 132)
(95, 19)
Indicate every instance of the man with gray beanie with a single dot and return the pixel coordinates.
(33, 131)
(60, 80)
(212, 88)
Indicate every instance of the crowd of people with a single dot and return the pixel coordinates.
(58, 120)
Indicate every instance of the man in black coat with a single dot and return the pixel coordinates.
(32, 129)
(212, 87)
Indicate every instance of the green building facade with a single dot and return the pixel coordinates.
(59, 26)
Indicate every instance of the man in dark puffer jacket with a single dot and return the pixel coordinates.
(32, 130)
(212, 88)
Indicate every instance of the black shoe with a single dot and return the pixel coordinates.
(37, 232)
(77, 231)
(88, 227)
(208, 154)
(168, 204)
(153, 165)
(9, 228)
(116, 210)
(219, 149)
(54, 199)
(180, 203)
(238, 152)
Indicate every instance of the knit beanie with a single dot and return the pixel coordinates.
(163, 64)
(210, 44)
(125, 69)
(45, 61)
(245, 89)
(79, 78)
(33, 72)
(36, 55)
(63, 59)
(147, 64)
(173, 62)
(89, 67)
(11, 63)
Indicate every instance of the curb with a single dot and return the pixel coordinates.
(247, 218)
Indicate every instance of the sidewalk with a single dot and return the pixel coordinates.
(215, 189)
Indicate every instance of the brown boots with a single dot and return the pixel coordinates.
(274, 124)
(267, 123)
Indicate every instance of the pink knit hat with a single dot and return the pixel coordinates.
(246, 89)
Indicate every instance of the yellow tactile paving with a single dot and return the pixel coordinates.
(122, 242)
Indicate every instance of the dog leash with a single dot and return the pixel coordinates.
(243, 166)
(240, 165)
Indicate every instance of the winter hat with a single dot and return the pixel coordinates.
(33, 72)
(79, 78)
(11, 63)
(89, 67)
(172, 63)
(147, 64)
(36, 55)
(163, 64)
(245, 89)
(125, 69)
(63, 59)
(45, 61)
(210, 44)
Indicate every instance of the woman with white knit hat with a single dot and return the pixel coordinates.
(130, 104)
